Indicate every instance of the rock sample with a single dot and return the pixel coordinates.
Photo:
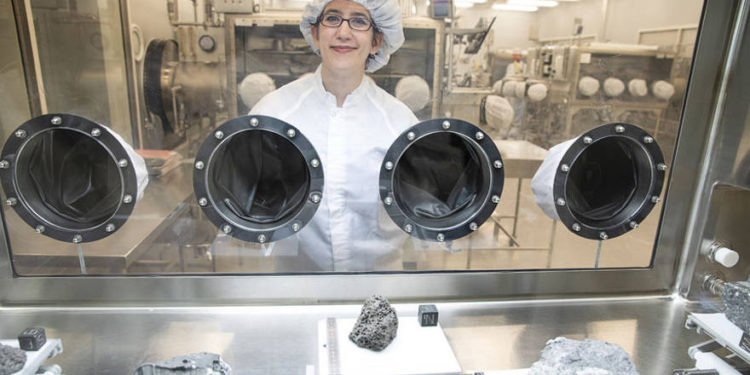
(562, 356)
(11, 359)
(376, 325)
(736, 299)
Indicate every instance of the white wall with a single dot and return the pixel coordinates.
(624, 19)
(511, 29)
(559, 21)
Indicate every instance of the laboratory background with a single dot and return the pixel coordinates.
(578, 170)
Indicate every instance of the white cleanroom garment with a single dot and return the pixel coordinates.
(350, 230)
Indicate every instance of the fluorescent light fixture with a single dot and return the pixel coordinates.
(515, 8)
(534, 3)
(463, 4)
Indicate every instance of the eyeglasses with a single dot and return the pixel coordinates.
(355, 23)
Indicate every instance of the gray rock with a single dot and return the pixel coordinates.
(562, 356)
(736, 300)
(11, 359)
(376, 326)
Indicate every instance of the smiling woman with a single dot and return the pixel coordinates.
(345, 48)
(351, 122)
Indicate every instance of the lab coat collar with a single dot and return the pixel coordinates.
(355, 96)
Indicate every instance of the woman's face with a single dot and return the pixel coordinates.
(343, 48)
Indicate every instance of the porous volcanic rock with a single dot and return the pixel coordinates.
(376, 325)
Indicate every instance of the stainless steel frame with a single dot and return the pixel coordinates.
(721, 161)
(27, 40)
(716, 34)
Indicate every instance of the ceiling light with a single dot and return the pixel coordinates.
(536, 3)
(460, 4)
(515, 8)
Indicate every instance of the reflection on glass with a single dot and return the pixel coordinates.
(537, 79)
(82, 61)
(13, 94)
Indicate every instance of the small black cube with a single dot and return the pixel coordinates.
(31, 339)
(427, 315)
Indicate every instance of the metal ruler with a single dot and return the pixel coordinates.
(334, 364)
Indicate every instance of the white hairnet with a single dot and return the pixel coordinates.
(537, 92)
(254, 87)
(613, 87)
(520, 89)
(498, 112)
(497, 88)
(588, 86)
(662, 89)
(413, 91)
(386, 14)
(637, 87)
(509, 89)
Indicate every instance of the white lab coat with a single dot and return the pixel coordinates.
(350, 230)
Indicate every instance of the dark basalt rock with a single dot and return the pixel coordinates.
(376, 326)
(736, 299)
(11, 359)
(562, 356)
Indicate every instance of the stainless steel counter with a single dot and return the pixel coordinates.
(485, 336)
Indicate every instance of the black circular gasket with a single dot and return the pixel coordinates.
(492, 168)
(159, 53)
(14, 147)
(642, 206)
(225, 219)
